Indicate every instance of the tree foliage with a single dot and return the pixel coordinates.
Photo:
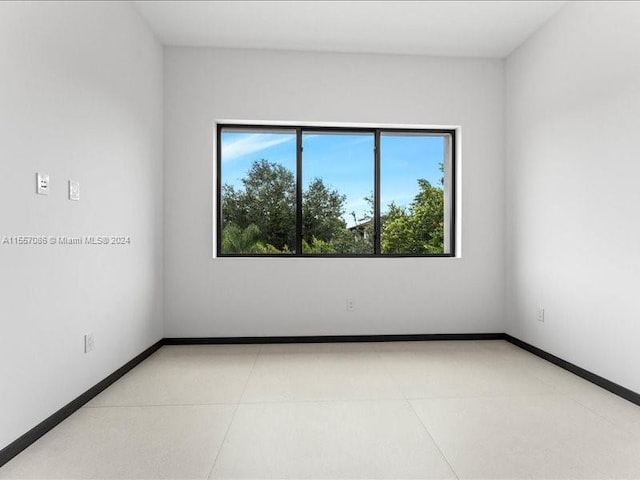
(322, 211)
(267, 201)
(317, 246)
(418, 229)
(248, 240)
(264, 211)
(260, 217)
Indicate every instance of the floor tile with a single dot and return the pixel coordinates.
(127, 442)
(334, 440)
(184, 375)
(561, 380)
(538, 436)
(621, 412)
(319, 376)
(311, 348)
(466, 347)
(226, 349)
(487, 409)
(432, 371)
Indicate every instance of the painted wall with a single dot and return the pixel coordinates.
(80, 98)
(573, 117)
(270, 297)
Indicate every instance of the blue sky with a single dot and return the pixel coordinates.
(343, 161)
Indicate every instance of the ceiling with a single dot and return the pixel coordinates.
(444, 28)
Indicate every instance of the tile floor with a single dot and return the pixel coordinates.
(405, 410)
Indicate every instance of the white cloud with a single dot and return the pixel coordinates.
(252, 144)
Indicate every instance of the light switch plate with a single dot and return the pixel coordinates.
(74, 190)
(42, 184)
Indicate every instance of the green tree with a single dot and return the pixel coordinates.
(237, 240)
(398, 235)
(322, 210)
(418, 229)
(267, 201)
(357, 241)
(428, 212)
(317, 246)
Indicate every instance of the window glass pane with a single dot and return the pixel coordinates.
(258, 196)
(337, 200)
(414, 193)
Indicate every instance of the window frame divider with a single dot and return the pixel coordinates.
(299, 206)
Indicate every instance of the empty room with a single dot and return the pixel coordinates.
(319, 240)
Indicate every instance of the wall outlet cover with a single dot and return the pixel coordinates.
(351, 305)
(42, 184)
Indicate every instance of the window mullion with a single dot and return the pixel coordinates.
(452, 196)
(219, 223)
(299, 231)
(376, 195)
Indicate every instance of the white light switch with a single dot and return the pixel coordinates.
(42, 184)
(74, 190)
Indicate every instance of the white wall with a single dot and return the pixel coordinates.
(80, 98)
(573, 117)
(269, 297)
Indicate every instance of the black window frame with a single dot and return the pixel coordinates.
(376, 132)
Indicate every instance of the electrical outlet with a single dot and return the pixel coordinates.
(540, 314)
(42, 184)
(88, 342)
(351, 305)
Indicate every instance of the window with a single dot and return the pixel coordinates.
(258, 191)
(311, 191)
(338, 183)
